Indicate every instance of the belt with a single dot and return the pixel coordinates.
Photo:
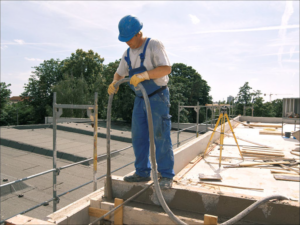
(155, 92)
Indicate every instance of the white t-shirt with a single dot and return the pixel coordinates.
(155, 56)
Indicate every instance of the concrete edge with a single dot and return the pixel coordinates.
(76, 212)
(200, 200)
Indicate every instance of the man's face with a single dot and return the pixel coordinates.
(134, 42)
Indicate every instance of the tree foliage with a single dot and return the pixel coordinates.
(246, 97)
(5, 93)
(38, 89)
(187, 88)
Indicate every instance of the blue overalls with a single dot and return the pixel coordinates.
(160, 106)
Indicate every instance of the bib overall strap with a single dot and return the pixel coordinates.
(127, 59)
(142, 55)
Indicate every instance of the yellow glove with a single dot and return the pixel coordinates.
(111, 89)
(138, 78)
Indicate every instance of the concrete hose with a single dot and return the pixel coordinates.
(246, 211)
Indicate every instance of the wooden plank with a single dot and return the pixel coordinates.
(288, 168)
(270, 132)
(256, 164)
(287, 177)
(227, 185)
(95, 212)
(119, 212)
(295, 153)
(210, 220)
(18, 220)
(215, 176)
(136, 215)
(262, 150)
(262, 153)
(267, 125)
(283, 171)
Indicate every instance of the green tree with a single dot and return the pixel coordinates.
(88, 65)
(38, 89)
(74, 91)
(122, 105)
(258, 107)
(277, 107)
(5, 93)
(187, 87)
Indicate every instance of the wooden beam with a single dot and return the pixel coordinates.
(267, 125)
(119, 212)
(225, 185)
(283, 171)
(262, 153)
(136, 215)
(95, 212)
(210, 220)
(270, 132)
(22, 220)
(287, 177)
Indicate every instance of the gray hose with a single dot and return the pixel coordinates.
(152, 151)
(251, 208)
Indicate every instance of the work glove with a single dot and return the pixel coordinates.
(138, 78)
(111, 88)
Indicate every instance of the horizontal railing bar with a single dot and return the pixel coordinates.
(27, 178)
(69, 106)
(61, 168)
(34, 207)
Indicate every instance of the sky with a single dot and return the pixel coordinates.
(227, 42)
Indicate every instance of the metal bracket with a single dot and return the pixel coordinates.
(57, 171)
(181, 108)
(56, 200)
(197, 108)
(59, 112)
(90, 114)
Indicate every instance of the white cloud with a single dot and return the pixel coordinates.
(33, 59)
(292, 51)
(20, 42)
(247, 29)
(194, 19)
(291, 60)
(282, 32)
(3, 46)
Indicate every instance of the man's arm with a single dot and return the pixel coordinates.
(159, 71)
(117, 77)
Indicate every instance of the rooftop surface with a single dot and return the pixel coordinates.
(257, 177)
(27, 150)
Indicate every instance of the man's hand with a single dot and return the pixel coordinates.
(138, 78)
(111, 88)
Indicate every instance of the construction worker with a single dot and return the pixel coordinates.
(146, 62)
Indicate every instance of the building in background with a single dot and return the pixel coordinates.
(230, 99)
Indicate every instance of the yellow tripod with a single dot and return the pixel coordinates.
(223, 115)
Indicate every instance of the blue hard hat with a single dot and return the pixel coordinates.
(128, 27)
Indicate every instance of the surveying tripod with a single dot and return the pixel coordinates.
(223, 115)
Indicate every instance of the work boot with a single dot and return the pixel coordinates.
(136, 178)
(165, 183)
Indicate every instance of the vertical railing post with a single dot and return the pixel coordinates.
(206, 119)
(95, 140)
(178, 124)
(197, 120)
(54, 152)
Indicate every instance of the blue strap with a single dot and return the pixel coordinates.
(142, 55)
(127, 59)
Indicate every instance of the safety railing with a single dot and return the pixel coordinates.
(57, 112)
